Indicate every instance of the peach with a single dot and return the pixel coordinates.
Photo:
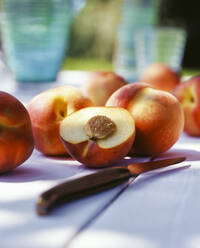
(100, 85)
(47, 110)
(158, 117)
(188, 93)
(16, 137)
(98, 136)
(160, 76)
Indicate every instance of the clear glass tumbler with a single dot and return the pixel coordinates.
(134, 15)
(35, 37)
(160, 44)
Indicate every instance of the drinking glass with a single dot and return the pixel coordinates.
(160, 44)
(35, 37)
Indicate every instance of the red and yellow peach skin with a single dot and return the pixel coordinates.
(47, 110)
(161, 77)
(16, 137)
(188, 93)
(157, 114)
(100, 85)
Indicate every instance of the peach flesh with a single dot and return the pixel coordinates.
(98, 152)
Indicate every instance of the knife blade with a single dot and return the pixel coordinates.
(96, 182)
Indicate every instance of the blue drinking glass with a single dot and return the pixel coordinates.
(35, 37)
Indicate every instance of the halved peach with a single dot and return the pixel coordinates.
(98, 136)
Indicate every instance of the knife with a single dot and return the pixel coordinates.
(96, 182)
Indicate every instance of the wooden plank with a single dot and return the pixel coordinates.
(18, 194)
(159, 209)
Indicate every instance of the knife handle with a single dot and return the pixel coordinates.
(81, 187)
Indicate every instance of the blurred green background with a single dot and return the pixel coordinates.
(93, 33)
(93, 37)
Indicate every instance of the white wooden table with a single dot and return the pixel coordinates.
(160, 209)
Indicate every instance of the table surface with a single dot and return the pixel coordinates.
(158, 209)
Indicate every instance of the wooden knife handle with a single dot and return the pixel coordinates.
(81, 187)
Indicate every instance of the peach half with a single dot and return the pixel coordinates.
(98, 136)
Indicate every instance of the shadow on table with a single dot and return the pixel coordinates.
(40, 167)
(191, 155)
(160, 209)
(28, 174)
(118, 226)
(24, 225)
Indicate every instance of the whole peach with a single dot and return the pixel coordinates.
(16, 137)
(188, 93)
(47, 110)
(100, 85)
(160, 76)
(158, 117)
